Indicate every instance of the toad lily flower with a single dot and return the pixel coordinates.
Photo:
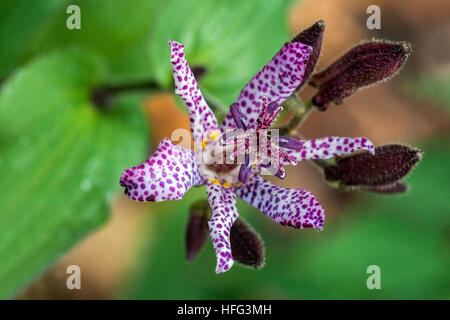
(172, 170)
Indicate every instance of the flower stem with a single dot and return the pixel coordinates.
(301, 112)
(103, 95)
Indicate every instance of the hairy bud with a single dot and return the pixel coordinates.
(197, 228)
(312, 37)
(385, 168)
(246, 246)
(365, 64)
(393, 188)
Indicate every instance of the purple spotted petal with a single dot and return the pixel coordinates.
(166, 175)
(329, 147)
(289, 207)
(201, 117)
(277, 80)
(223, 204)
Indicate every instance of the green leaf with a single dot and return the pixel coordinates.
(117, 30)
(61, 160)
(233, 39)
(19, 24)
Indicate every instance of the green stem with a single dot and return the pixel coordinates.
(102, 95)
(301, 112)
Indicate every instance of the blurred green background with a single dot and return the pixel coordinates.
(61, 157)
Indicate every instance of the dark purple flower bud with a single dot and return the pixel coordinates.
(393, 188)
(197, 228)
(365, 64)
(389, 164)
(312, 37)
(246, 245)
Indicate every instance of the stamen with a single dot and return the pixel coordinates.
(204, 143)
(227, 185)
(269, 112)
(245, 170)
(272, 107)
(281, 173)
(237, 115)
(250, 145)
(215, 181)
(214, 135)
(290, 143)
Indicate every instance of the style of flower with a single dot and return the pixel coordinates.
(172, 170)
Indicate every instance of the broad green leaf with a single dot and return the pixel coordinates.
(19, 24)
(117, 30)
(232, 39)
(61, 160)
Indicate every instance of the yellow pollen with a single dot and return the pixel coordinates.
(239, 184)
(227, 185)
(214, 135)
(254, 164)
(215, 181)
(204, 143)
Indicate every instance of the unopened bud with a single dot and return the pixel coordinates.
(246, 245)
(365, 64)
(312, 37)
(197, 228)
(389, 164)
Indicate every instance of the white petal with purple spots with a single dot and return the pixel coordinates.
(166, 175)
(277, 80)
(223, 205)
(201, 117)
(330, 147)
(290, 207)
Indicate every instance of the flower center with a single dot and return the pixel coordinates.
(259, 145)
(229, 158)
(217, 162)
